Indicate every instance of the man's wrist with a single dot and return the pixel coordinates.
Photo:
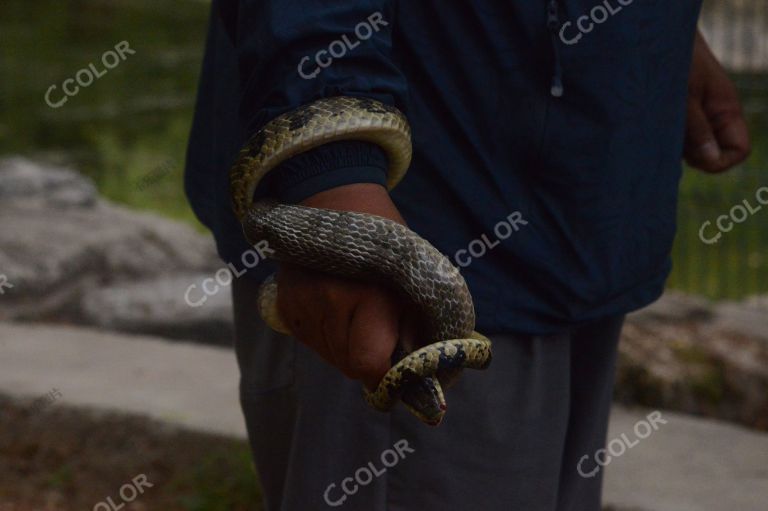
(367, 198)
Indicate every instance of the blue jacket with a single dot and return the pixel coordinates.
(547, 135)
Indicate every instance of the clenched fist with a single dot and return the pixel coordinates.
(716, 132)
(352, 325)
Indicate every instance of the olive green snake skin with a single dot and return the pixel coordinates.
(363, 247)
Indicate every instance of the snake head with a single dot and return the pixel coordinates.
(423, 396)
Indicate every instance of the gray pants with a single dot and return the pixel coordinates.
(512, 438)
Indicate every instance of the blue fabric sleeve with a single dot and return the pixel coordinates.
(279, 44)
(323, 168)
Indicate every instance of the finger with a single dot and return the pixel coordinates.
(701, 147)
(288, 281)
(298, 292)
(411, 334)
(296, 299)
(338, 307)
(373, 336)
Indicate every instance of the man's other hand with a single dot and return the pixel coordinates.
(716, 132)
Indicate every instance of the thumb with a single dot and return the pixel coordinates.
(733, 136)
(701, 148)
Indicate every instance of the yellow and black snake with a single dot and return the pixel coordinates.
(362, 246)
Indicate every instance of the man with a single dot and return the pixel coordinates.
(566, 120)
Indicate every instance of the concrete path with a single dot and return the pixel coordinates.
(684, 464)
(687, 464)
(187, 384)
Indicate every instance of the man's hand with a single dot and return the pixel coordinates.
(354, 326)
(716, 132)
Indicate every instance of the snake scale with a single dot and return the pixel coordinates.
(362, 246)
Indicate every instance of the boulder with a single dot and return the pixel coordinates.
(749, 317)
(23, 181)
(59, 240)
(158, 307)
(685, 354)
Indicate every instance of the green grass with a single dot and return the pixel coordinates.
(145, 174)
(126, 124)
(223, 481)
(737, 265)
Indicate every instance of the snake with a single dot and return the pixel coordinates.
(362, 246)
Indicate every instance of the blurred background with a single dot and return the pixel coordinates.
(98, 245)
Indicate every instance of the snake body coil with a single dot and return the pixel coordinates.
(363, 247)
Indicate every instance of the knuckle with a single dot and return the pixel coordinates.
(303, 326)
(336, 293)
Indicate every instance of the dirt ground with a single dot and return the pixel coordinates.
(65, 459)
(62, 459)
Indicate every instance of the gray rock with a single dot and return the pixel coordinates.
(748, 318)
(158, 307)
(675, 307)
(758, 302)
(58, 241)
(23, 180)
(708, 359)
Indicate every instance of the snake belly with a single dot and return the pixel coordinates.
(363, 247)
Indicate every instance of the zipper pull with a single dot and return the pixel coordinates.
(553, 24)
(553, 17)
